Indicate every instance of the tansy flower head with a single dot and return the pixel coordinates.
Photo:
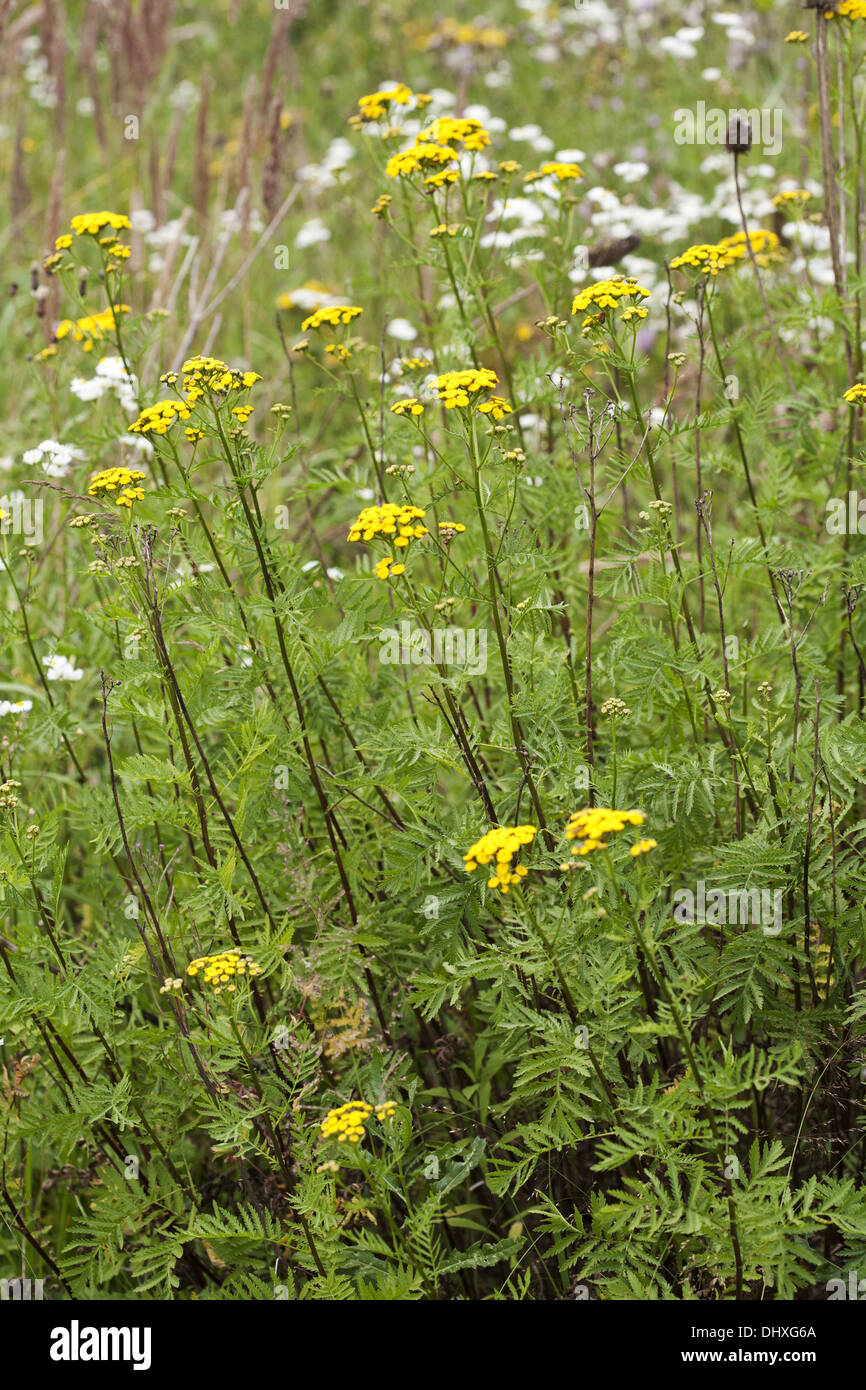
(347, 1122)
(710, 258)
(591, 825)
(856, 394)
(332, 315)
(117, 484)
(399, 525)
(419, 159)
(609, 294)
(375, 105)
(642, 847)
(91, 327)
(457, 389)
(92, 223)
(498, 848)
(202, 374)
(555, 168)
(455, 130)
(791, 196)
(221, 970)
(408, 407)
(159, 418)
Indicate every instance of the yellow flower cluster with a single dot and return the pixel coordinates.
(852, 9)
(118, 483)
(856, 394)
(467, 34)
(348, 1121)
(221, 969)
(609, 294)
(563, 172)
(411, 406)
(710, 258)
(202, 374)
(92, 223)
(642, 847)
(419, 158)
(158, 419)
(797, 36)
(457, 388)
(592, 824)
(375, 105)
(465, 131)
(91, 327)
(332, 315)
(794, 195)
(498, 847)
(399, 524)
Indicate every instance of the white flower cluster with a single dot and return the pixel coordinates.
(111, 375)
(15, 707)
(56, 458)
(61, 668)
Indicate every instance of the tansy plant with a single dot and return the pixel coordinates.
(431, 700)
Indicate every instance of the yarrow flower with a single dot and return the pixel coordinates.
(591, 825)
(347, 1122)
(498, 848)
(117, 484)
(61, 668)
(56, 458)
(221, 970)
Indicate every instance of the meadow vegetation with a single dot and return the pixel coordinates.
(432, 649)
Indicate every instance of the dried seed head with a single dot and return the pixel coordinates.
(738, 139)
